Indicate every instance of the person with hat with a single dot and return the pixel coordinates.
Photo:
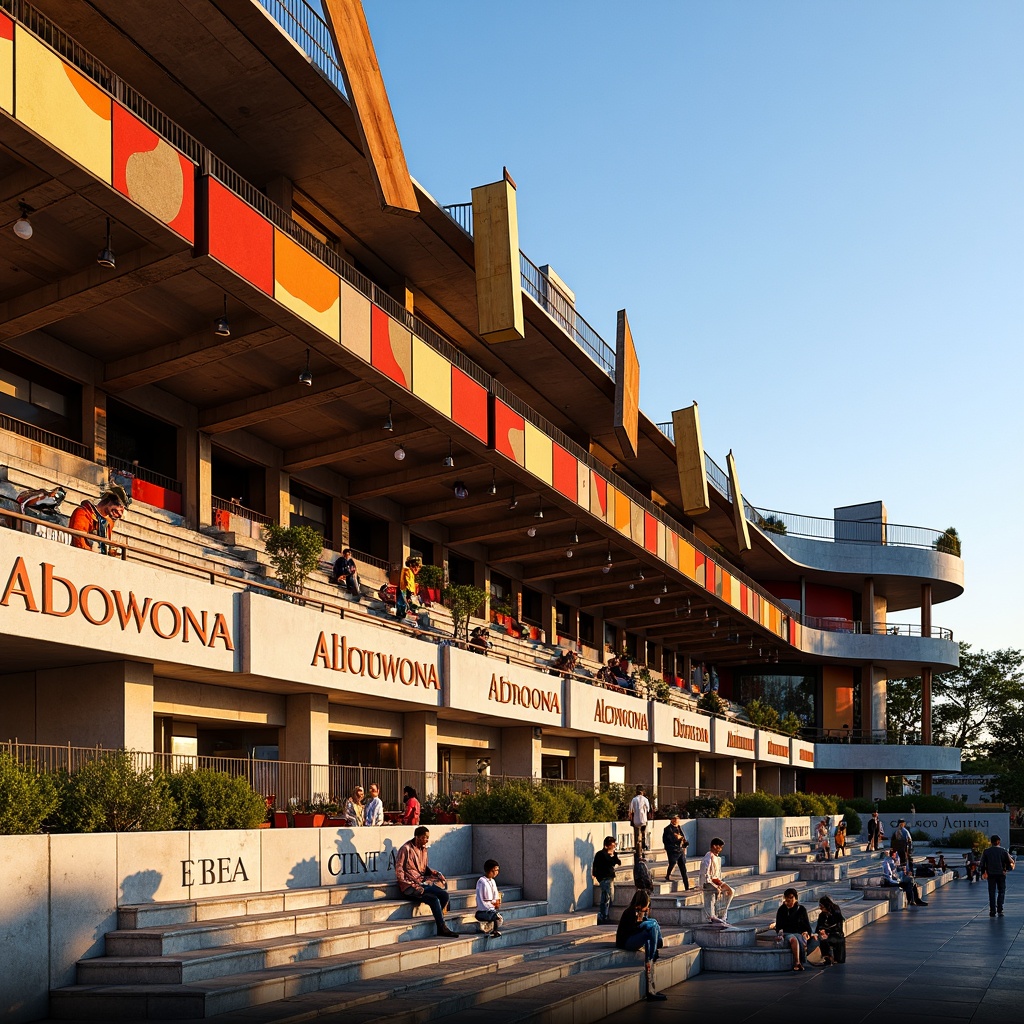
(99, 518)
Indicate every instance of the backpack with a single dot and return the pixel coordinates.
(642, 876)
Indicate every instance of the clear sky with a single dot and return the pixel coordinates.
(813, 213)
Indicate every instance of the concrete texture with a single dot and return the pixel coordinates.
(24, 928)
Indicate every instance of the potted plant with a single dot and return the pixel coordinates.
(462, 600)
(311, 813)
(501, 612)
(294, 552)
(430, 580)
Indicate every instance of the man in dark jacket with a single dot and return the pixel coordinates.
(605, 862)
(792, 926)
(675, 849)
(995, 862)
(875, 832)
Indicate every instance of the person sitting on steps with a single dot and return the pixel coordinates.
(638, 930)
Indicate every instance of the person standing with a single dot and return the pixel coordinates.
(420, 883)
(718, 894)
(675, 843)
(995, 862)
(606, 860)
(488, 898)
(638, 930)
(405, 594)
(354, 809)
(100, 519)
(411, 814)
(840, 838)
(875, 832)
(639, 812)
(903, 844)
(374, 813)
(822, 837)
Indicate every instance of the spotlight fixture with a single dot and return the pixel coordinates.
(106, 255)
(513, 501)
(657, 600)
(461, 490)
(576, 532)
(531, 531)
(222, 328)
(716, 623)
(568, 552)
(640, 575)
(389, 423)
(23, 226)
(305, 377)
(399, 453)
(632, 586)
(539, 514)
(664, 588)
(493, 489)
(751, 644)
(449, 460)
(609, 558)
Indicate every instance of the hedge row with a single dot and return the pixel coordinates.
(110, 794)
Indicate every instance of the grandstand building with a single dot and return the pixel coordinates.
(221, 288)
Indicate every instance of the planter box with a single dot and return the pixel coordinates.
(306, 820)
(280, 819)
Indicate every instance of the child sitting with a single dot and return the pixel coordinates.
(488, 899)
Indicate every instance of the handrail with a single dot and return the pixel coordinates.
(462, 214)
(133, 469)
(847, 531)
(238, 509)
(47, 437)
(309, 30)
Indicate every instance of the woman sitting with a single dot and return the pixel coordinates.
(829, 930)
(638, 930)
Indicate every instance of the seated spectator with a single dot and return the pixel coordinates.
(605, 673)
(565, 664)
(893, 876)
(638, 930)
(488, 899)
(345, 573)
(100, 519)
(620, 669)
(829, 931)
(793, 928)
(419, 882)
(478, 642)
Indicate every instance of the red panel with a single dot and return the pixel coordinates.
(698, 567)
(709, 574)
(599, 486)
(744, 597)
(650, 533)
(507, 421)
(240, 238)
(564, 472)
(158, 497)
(6, 27)
(382, 355)
(469, 404)
(133, 139)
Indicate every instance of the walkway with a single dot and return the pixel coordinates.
(948, 961)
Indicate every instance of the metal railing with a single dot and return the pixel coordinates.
(237, 509)
(846, 531)
(462, 214)
(362, 558)
(307, 28)
(894, 737)
(838, 624)
(46, 437)
(133, 469)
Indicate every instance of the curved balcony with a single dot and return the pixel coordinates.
(895, 647)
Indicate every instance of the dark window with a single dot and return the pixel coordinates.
(234, 477)
(461, 571)
(135, 436)
(785, 689)
(587, 628)
(309, 508)
(533, 606)
(368, 533)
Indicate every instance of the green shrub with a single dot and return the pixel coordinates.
(606, 808)
(761, 713)
(294, 552)
(919, 835)
(110, 794)
(708, 807)
(861, 804)
(969, 839)
(208, 799)
(511, 803)
(27, 798)
(792, 807)
(921, 804)
(853, 820)
(617, 793)
(790, 724)
(756, 805)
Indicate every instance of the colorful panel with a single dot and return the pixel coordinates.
(564, 472)
(636, 524)
(6, 63)
(355, 321)
(736, 596)
(62, 106)
(431, 377)
(240, 238)
(687, 559)
(305, 286)
(744, 599)
(622, 511)
(509, 433)
(662, 532)
(718, 580)
(469, 404)
(727, 582)
(390, 347)
(599, 496)
(700, 566)
(671, 554)
(153, 174)
(583, 485)
(650, 532)
(538, 453)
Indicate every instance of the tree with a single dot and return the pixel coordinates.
(1006, 757)
(903, 705)
(462, 601)
(949, 542)
(294, 551)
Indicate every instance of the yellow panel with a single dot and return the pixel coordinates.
(538, 453)
(7, 70)
(687, 559)
(693, 475)
(305, 286)
(365, 87)
(739, 519)
(627, 388)
(662, 531)
(355, 321)
(583, 485)
(499, 289)
(636, 523)
(623, 514)
(671, 548)
(737, 594)
(431, 377)
(62, 106)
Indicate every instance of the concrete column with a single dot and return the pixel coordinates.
(306, 734)
(419, 741)
(94, 422)
(278, 496)
(548, 621)
(769, 778)
(482, 579)
(874, 785)
(926, 609)
(204, 479)
(398, 544)
(680, 773)
(720, 774)
(588, 760)
(643, 768)
(877, 679)
(109, 704)
(867, 611)
(803, 598)
(188, 468)
(339, 524)
(520, 752)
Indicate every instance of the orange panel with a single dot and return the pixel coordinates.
(469, 404)
(564, 471)
(240, 238)
(509, 433)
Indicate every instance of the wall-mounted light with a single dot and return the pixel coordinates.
(221, 327)
(399, 453)
(106, 256)
(449, 459)
(461, 490)
(389, 423)
(640, 575)
(539, 514)
(305, 377)
(23, 226)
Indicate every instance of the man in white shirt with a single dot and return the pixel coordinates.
(717, 893)
(488, 899)
(639, 813)
(374, 813)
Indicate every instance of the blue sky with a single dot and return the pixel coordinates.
(812, 212)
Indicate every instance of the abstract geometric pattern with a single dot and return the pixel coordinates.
(509, 433)
(240, 238)
(153, 174)
(431, 377)
(355, 321)
(598, 495)
(305, 286)
(469, 404)
(390, 347)
(61, 105)
(6, 63)
(538, 453)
